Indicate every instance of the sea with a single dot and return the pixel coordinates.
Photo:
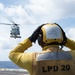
(10, 66)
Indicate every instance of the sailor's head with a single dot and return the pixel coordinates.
(50, 33)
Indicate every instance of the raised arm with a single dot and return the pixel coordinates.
(70, 44)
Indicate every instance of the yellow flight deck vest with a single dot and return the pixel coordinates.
(49, 63)
(54, 63)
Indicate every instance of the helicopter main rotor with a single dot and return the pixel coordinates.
(9, 24)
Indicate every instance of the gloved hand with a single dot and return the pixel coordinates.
(35, 34)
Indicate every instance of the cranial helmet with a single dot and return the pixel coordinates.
(51, 33)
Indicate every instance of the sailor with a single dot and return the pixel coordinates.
(52, 60)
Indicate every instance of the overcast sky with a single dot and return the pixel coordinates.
(30, 14)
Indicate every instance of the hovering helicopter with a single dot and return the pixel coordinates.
(14, 32)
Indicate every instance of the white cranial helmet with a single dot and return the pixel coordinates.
(52, 33)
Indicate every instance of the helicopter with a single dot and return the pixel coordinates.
(15, 31)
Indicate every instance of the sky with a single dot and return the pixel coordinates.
(30, 14)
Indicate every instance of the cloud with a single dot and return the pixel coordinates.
(51, 10)
(37, 11)
(1, 6)
(70, 32)
(8, 43)
(16, 13)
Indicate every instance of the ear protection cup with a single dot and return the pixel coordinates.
(39, 39)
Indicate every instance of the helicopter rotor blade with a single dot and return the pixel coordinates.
(6, 24)
(9, 24)
(13, 22)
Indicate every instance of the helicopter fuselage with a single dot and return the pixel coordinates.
(15, 33)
